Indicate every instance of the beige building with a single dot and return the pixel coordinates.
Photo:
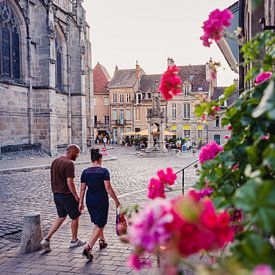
(181, 118)
(101, 101)
(143, 100)
(123, 95)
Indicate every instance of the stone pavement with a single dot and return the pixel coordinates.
(63, 260)
(28, 191)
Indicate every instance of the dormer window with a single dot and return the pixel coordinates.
(138, 98)
(200, 88)
(149, 96)
(186, 88)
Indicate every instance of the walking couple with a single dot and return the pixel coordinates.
(68, 202)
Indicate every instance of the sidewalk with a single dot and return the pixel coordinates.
(62, 260)
(30, 164)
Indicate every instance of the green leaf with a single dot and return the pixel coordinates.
(267, 102)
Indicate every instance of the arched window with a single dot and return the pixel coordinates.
(9, 44)
(59, 67)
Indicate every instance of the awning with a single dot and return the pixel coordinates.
(186, 127)
(145, 132)
(174, 127)
(200, 127)
(131, 133)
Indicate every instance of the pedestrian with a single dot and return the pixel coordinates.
(97, 180)
(105, 141)
(65, 195)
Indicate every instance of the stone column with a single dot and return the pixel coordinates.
(150, 139)
(31, 233)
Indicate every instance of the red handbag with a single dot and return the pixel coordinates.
(121, 223)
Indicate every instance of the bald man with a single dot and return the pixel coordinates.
(65, 196)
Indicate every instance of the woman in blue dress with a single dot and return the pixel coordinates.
(97, 180)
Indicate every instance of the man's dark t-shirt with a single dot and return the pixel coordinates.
(61, 169)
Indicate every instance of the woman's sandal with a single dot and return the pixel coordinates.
(102, 244)
(86, 252)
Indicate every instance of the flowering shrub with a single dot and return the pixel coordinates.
(242, 176)
(170, 83)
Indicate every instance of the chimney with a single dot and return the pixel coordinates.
(137, 71)
(170, 61)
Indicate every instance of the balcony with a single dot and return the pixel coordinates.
(101, 125)
(120, 121)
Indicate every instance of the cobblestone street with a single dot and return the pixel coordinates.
(23, 192)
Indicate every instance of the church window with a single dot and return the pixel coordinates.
(59, 67)
(9, 44)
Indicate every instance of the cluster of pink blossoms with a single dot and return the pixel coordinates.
(209, 151)
(214, 27)
(170, 83)
(185, 225)
(156, 186)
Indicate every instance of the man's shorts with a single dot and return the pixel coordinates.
(66, 204)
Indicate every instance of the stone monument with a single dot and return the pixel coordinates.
(155, 118)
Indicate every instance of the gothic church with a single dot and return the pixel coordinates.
(46, 92)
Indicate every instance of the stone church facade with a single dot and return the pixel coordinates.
(46, 85)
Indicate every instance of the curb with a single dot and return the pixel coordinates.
(44, 167)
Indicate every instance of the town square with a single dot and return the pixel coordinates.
(137, 137)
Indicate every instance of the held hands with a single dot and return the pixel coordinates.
(80, 207)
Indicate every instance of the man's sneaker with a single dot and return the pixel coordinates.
(45, 245)
(76, 243)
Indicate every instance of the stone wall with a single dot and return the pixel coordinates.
(13, 114)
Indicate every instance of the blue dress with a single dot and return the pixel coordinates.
(97, 200)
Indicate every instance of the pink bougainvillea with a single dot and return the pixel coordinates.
(209, 151)
(226, 137)
(213, 28)
(262, 77)
(229, 127)
(170, 83)
(156, 186)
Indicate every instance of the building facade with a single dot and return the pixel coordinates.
(181, 118)
(101, 101)
(122, 93)
(45, 75)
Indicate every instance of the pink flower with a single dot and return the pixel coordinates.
(262, 269)
(150, 227)
(167, 178)
(209, 151)
(262, 77)
(156, 189)
(156, 186)
(214, 27)
(137, 263)
(235, 167)
(170, 83)
(203, 117)
(265, 137)
(216, 108)
(226, 137)
(229, 127)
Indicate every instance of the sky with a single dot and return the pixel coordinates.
(150, 31)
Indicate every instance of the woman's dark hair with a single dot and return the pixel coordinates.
(95, 155)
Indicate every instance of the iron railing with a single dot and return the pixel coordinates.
(182, 171)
